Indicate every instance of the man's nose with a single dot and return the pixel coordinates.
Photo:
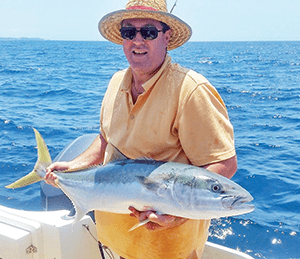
(138, 39)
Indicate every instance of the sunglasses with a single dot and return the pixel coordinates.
(148, 33)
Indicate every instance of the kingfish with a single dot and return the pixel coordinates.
(166, 187)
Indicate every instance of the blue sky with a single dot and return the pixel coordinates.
(211, 20)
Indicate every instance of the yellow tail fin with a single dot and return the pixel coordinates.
(38, 173)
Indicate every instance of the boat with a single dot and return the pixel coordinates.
(52, 233)
(46, 234)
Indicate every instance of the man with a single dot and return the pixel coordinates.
(159, 110)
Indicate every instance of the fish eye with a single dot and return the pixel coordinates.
(216, 188)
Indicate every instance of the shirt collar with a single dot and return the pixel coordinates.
(126, 83)
(154, 78)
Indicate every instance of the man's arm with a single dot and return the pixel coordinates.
(94, 155)
(226, 168)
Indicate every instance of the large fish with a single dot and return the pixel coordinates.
(166, 187)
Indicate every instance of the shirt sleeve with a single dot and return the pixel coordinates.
(204, 129)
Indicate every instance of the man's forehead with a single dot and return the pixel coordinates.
(140, 22)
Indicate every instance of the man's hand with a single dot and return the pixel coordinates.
(157, 221)
(94, 155)
(50, 176)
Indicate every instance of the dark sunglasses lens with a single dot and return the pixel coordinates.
(149, 33)
(128, 33)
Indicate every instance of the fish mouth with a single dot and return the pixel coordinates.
(238, 203)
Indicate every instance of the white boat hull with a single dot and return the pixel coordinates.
(39, 235)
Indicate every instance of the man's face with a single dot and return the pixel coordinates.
(145, 56)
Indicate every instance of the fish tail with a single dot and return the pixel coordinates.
(38, 173)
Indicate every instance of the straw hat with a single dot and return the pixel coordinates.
(109, 26)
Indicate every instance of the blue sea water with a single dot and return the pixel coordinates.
(57, 87)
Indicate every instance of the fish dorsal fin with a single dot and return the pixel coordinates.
(113, 154)
(146, 159)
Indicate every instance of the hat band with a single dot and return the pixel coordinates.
(141, 8)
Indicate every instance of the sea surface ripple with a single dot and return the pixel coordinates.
(57, 87)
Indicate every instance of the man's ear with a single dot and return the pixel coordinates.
(168, 34)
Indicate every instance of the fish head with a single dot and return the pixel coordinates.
(233, 199)
(226, 197)
(208, 195)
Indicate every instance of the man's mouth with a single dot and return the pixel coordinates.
(139, 52)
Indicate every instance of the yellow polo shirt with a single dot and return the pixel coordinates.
(180, 117)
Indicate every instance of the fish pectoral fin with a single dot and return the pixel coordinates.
(152, 184)
(141, 223)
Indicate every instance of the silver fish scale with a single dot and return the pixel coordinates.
(125, 172)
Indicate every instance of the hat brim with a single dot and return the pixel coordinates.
(109, 26)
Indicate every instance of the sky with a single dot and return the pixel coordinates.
(211, 20)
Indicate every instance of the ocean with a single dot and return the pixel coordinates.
(57, 88)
